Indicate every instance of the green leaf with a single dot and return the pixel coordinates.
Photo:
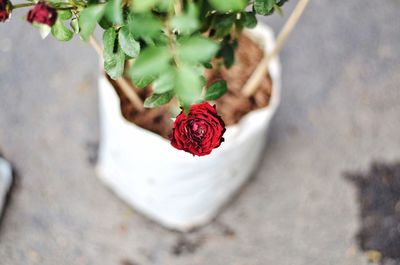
(224, 21)
(114, 56)
(109, 37)
(203, 81)
(216, 90)
(142, 81)
(165, 5)
(197, 49)
(264, 7)
(229, 5)
(188, 86)
(61, 32)
(64, 14)
(88, 19)
(150, 63)
(208, 65)
(227, 52)
(161, 40)
(185, 24)
(156, 100)
(188, 22)
(281, 2)
(75, 2)
(114, 65)
(144, 25)
(278, 10)
(113, 11)
(249, 19)
(74, 25)
(144, 5)
(54, 2)
(165, 82)
(223, 24)
(128, 44)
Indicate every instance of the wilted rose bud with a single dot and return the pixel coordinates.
(42, 14)
(4, 10)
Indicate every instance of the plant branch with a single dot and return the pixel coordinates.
(22, 5)
(122, 82)
(254, 81)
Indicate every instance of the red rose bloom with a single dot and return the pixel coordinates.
(4, 10)
(42, 14)
(200, 131)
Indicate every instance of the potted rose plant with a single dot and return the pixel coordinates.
(186, 98)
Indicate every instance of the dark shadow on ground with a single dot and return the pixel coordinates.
(379, 198)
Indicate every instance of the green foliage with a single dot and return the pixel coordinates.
(165, 82)
(144, 25)
(227, 51)
(113, 11)
(188, 22)
(75, 25)
(228, 5)
(267, 7)
(59, 30)
(248, 20)
(128, 43)
(114, 56)
(150, 63)
(216, 90)
(223, 24)
(88, 19)
(157, 100)
(196, 49)
(166, 44)
(142, 6)
(188, 86)
(64, 14)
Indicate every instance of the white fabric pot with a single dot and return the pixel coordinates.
(5, 182)
(173, 187)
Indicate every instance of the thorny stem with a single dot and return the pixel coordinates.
(254, 81)
(126, 88)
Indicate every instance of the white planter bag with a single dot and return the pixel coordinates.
(170, 186)
(5, 182)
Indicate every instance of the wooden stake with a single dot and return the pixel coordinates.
(254, 81)
(178, 7)
(126, 88)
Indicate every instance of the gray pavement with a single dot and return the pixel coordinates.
(340, 112)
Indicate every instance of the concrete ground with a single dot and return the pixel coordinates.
(340, 112)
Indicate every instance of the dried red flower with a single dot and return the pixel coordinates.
(4, 10)
(42, 14)
(198, 132)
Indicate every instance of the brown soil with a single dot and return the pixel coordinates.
(157, 120)
(232, 106)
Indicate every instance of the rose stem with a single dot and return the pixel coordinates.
(22, 5)
(254, 81)
(122, 83)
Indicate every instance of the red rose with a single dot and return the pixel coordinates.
(200, 131)
(42, 14)
(4, 10)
